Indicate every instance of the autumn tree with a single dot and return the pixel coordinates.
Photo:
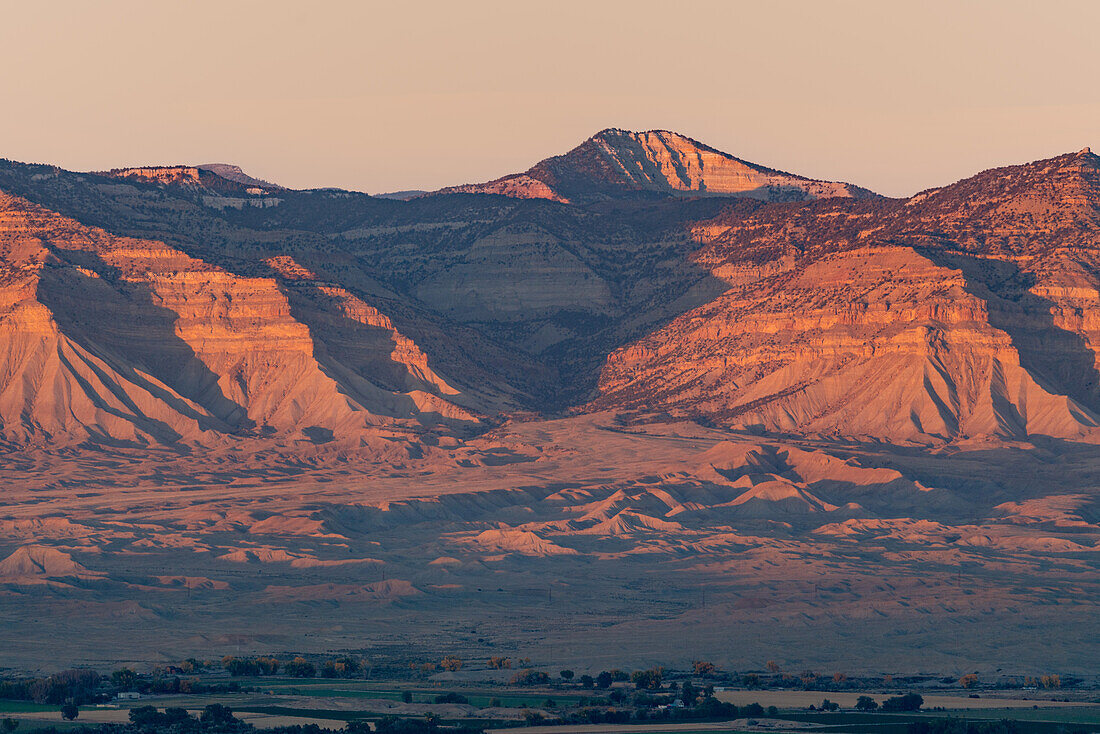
(268, 665)
(773, 667)
(347, 665)
(647, 679)
(299, 667)
(703, 668)
(451, 663)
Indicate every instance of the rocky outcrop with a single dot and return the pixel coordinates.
(620, 163)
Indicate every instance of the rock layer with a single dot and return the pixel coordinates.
(966, 311)
(120, 339)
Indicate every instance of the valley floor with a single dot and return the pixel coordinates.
(578, 542)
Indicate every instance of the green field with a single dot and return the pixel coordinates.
(17, 706)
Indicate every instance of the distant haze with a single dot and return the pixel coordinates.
(377, 97)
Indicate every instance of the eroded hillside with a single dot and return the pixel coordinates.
(966, 311)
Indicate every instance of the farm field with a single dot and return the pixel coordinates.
(330, 704)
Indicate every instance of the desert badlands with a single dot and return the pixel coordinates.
(643, 403)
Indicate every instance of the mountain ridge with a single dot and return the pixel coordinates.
(969, 307)
(615, 163)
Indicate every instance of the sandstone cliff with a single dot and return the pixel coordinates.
(965, 311)
(119, 339)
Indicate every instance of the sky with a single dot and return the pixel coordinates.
(894, 96)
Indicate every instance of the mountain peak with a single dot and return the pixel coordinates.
(616, 163)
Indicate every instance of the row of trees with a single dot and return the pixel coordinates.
(342, 667)
(80, 686)
(908, 702)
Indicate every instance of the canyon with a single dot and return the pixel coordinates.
(642, 402)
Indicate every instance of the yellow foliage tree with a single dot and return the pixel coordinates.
(702, 668)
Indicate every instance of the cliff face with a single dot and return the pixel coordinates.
(620, 163)
(965, 311)
(121, 339)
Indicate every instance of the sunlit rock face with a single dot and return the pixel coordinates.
(128, 340)
(620, 163)
(970, 310)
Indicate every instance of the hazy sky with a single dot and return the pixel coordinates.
(384, 96)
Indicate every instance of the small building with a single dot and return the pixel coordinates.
(128, 696)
